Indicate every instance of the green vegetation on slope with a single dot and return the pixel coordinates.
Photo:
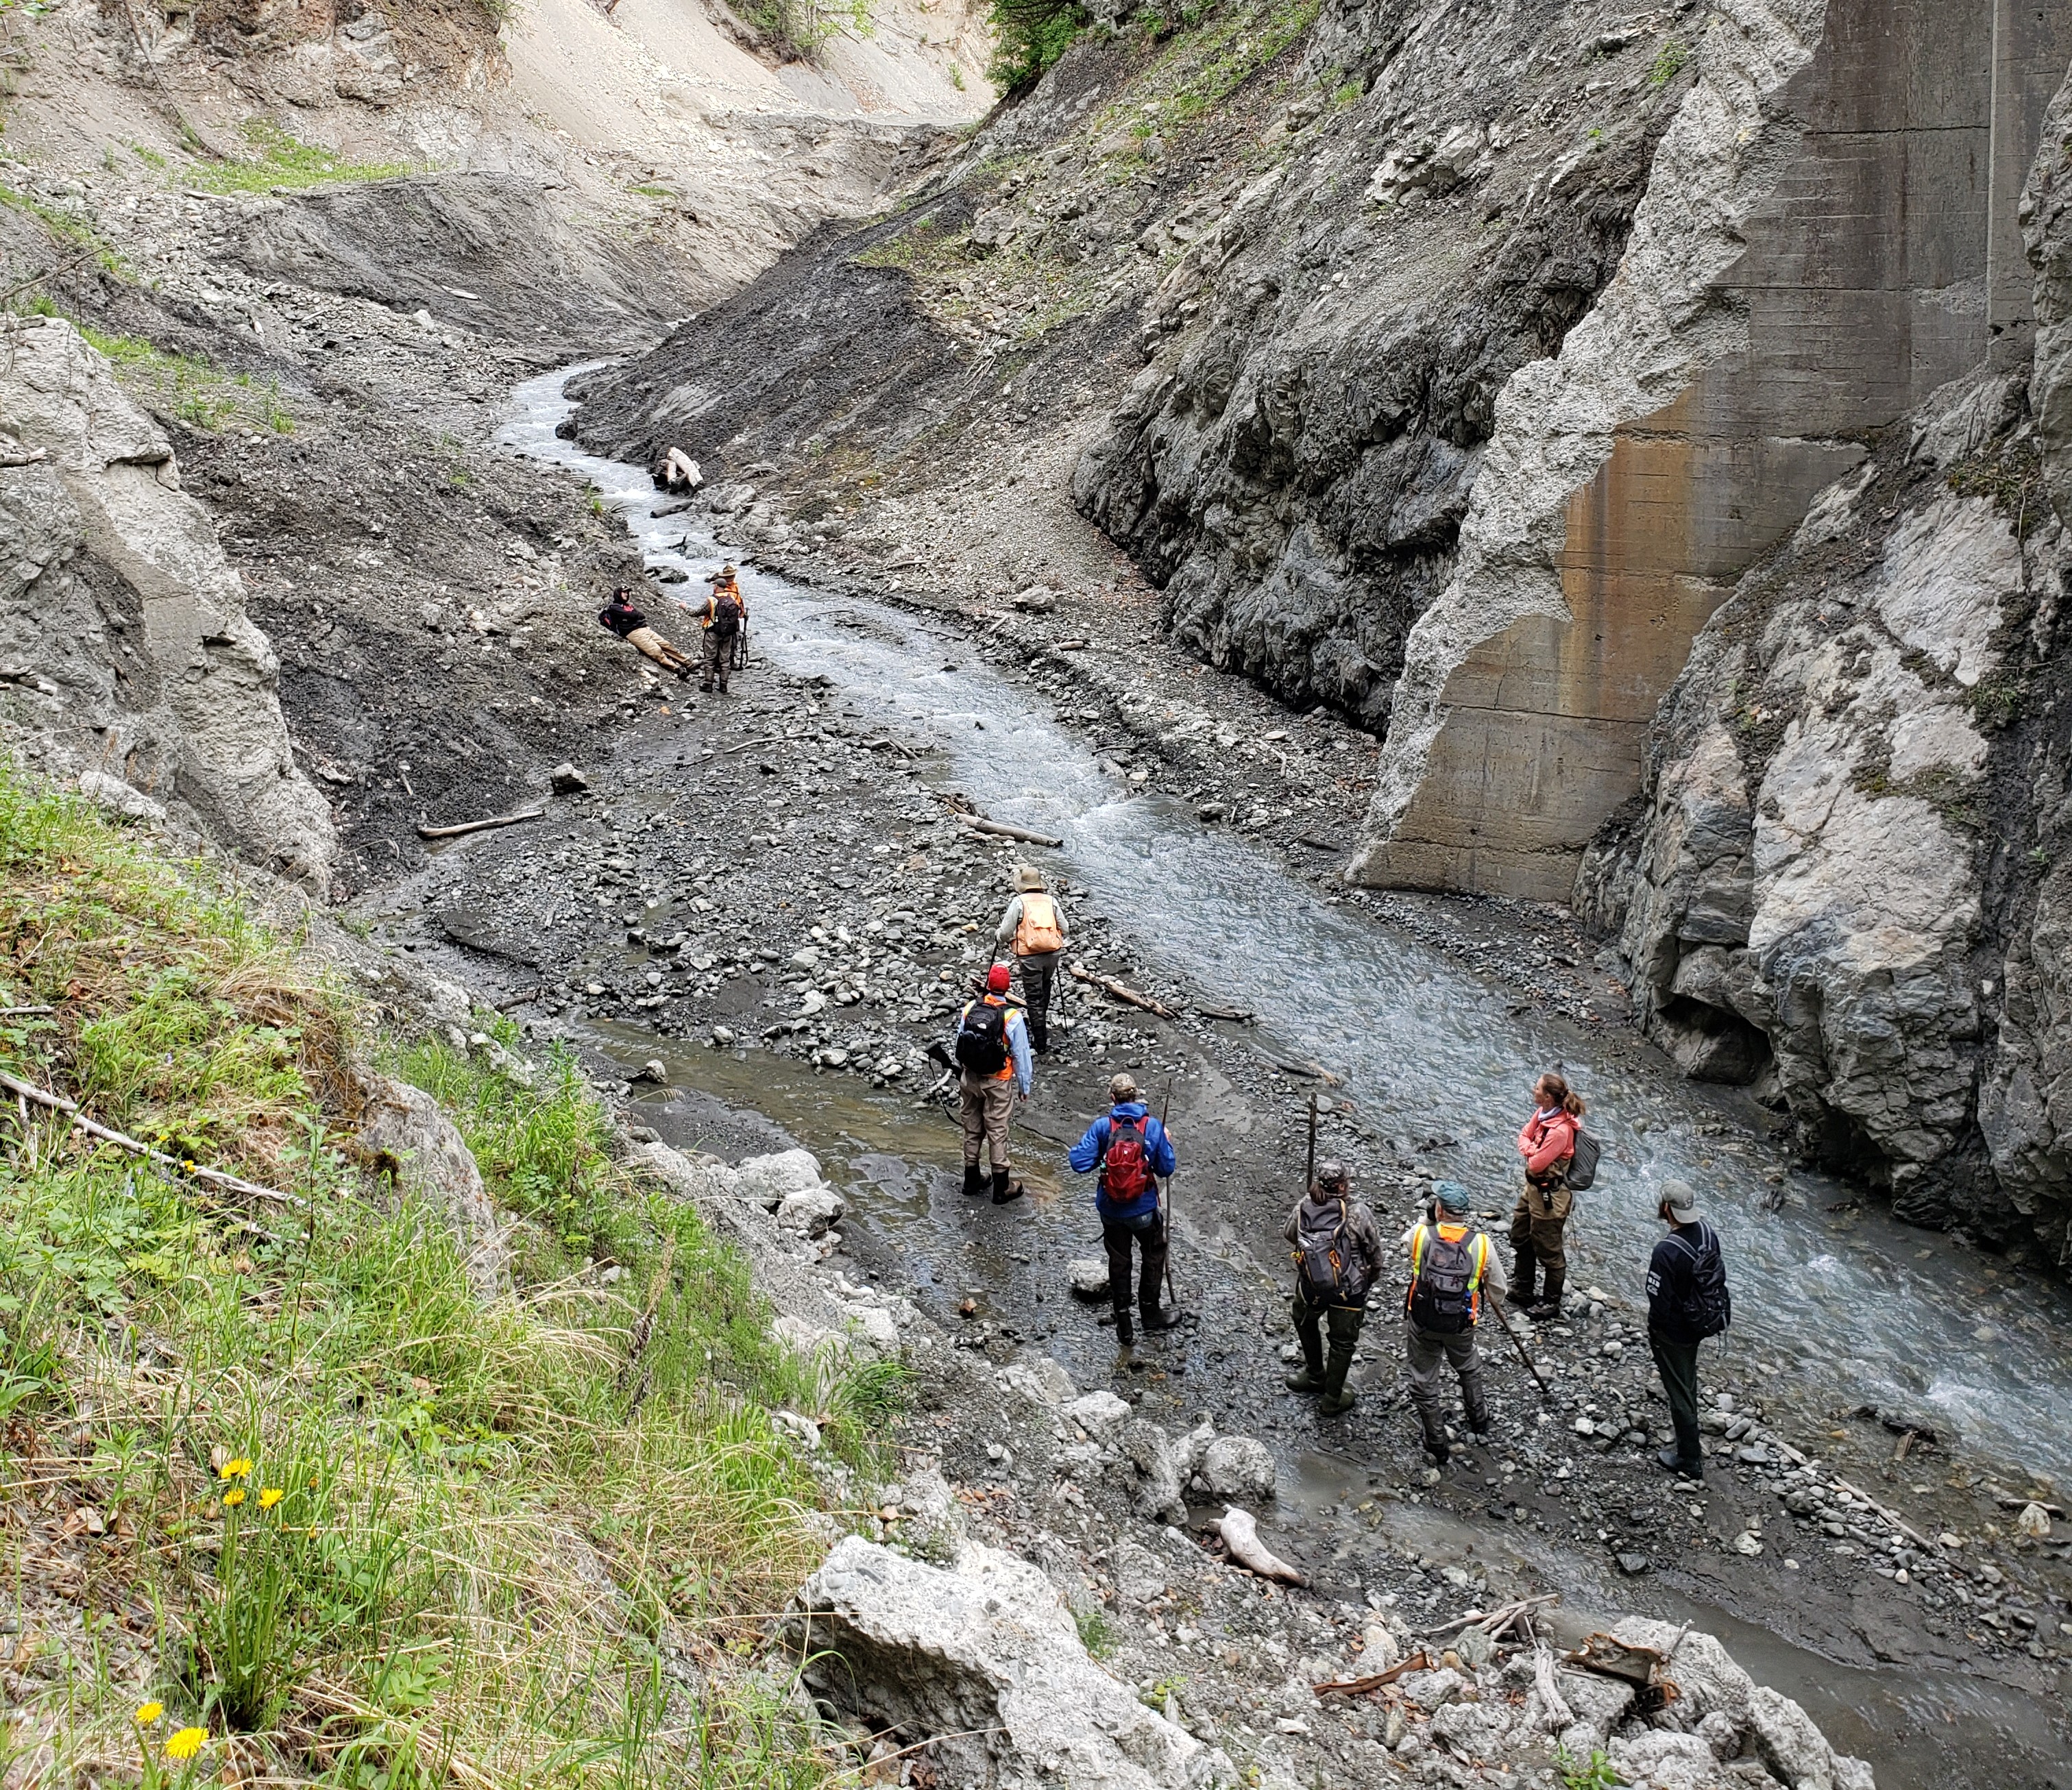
(1029, 36)
(283, 1497)
(282, 159)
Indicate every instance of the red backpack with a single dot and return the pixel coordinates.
(1125, 1172)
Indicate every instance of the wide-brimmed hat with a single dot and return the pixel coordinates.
(1028, 879)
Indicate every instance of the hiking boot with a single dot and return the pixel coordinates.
(1309, 1377)
(1671, 1462)
(705, 685)
(1003, 1189)
(1156, 1316)
(1336, 1398)
(1124, 1333)
(1437, 1451)
(974, 1178)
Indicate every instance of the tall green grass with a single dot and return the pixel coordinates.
(325, 1514)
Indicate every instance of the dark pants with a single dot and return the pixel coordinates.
(1677, 1363)
(718, 659)
(1039, 976)
(1149, 1233)
(1313, 1313)
(1539, 1235)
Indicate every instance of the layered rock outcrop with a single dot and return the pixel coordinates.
(1843, 877)
(124, 649)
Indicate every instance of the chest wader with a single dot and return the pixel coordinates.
(1330, 1293)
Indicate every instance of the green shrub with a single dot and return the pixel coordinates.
(1029, 36)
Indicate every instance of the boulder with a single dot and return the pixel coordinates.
(1475, 1730)
(1088, 1276)
(811, 1209)
(1040, 1380)
(118, 797)
(1665, 1761)
(984, 1658)
(409, 1139)
(1237, 1469)
(1159, 1479)
(1793, 1749)
(1100, 1414)
(1139, 1574)
(766, 1180)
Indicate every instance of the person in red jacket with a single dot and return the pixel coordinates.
(1540, 1222)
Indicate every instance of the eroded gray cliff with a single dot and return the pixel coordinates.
(126, 651)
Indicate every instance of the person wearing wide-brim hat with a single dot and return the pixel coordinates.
(1032, 931)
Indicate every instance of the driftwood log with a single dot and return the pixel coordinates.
(1240, 1534)
(479, 825)
(1129, 996)
(1001, 829)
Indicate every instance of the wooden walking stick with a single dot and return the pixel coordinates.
(1166, 1107)
(1309, 1173)
(1530, 1367)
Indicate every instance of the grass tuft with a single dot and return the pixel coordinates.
(279, 1474)
(282, 159)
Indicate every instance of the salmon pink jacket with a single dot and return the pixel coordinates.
(1547, 1140)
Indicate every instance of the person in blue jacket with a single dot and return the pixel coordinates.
(1132, 1151)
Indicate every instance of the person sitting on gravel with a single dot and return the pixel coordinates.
(1538, 1225)
(724, 616)
(991, 1048)
(630, 626)
(1131, 1150)
(1337, 1257)
(1452, 1266)
(1033, 929)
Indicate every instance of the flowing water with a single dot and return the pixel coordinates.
(1870, 1311)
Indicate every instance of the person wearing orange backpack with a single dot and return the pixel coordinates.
(1033, 929)
(1540, 1222)
(1132, 1151)
(723, 617)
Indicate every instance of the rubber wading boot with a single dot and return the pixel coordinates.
(1336, 1398)
(1524, 1275)
(974, 1178)
(1436, 1445)
(1125, 1333)
(1003, 1189)
(1550, 1301)
(1156, 1316)
(1309, 1377)
(1666, 1460)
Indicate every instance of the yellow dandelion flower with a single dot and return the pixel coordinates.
(270, 1497)
(186, 1743)
(149, 1712)
(235, 1469)
(233, 1497)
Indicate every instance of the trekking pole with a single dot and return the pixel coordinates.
(1504, 1322)
(1310, 1174)
(1166, 1107)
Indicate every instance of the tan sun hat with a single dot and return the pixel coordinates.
(1028, 880)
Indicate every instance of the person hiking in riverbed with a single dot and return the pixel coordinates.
(724, 616)
(991, 1049)
(1452, 1264)
(621, 618)
(1131, 1150)
(1033, 929)
(1687, 1301)
(1540, 1222)
(1337, 1257)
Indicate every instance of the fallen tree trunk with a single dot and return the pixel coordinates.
(211, 1177)
(479, 825)
(979, 823)
(1122, 992)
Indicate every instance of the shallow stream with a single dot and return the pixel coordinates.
(1872, 1311)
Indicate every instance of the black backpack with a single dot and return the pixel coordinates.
(1582, 1167)
(727, 613)
(1708, 1304)
(1330, 1261)
(982, 1039)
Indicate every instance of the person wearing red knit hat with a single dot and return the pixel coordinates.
(991, 1049)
